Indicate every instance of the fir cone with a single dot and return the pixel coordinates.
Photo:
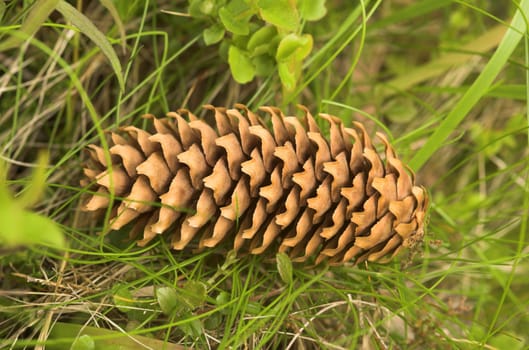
(288, 187)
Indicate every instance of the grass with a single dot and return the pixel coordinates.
(446, 79)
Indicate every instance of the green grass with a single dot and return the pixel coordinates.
(445, 79)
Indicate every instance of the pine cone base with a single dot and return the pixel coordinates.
(286, 186)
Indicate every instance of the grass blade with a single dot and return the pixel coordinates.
(109, 5)
(36, 17)
(90, 30)
(477, 90)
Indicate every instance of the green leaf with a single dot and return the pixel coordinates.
(194, 294)
(284, 266)
(123, 298)
(86, 27)
(312, 10)
(222, 299)
(241, 65)
(264, 65)
(281, 13)
(213, 34)
(287, 75)
(202, 8)
(192, 328)
(36, 17)
(37, 183)
(41, 230)
(207, 7)
(11, 221)
(260, 40)
(293, 45)
(194, 8)
(240, 7)
(84, 342)
(167, 299)
(234, 24)
(23, 227)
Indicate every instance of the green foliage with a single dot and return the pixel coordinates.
(123, 298)
(36, 17)
(402, 67)
(18, 225)
(475, 92)
(89, 29)
(243, 69)
(84, 342)
(167, 299)
(261, 35)
(284, 267)
(71, 336)
(39, 14)
(2, 10)
(184, 300)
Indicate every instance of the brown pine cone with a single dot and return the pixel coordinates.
(288, 188)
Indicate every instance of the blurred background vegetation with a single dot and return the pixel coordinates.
(69, 71)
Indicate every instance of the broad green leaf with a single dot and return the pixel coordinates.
(214, 322)
(264, 65)
(293, 45)
(240, 41)
(192, 328)
(287, 75)
(213, 34)
(123, 298)
(207, 7)
(284, 266)
(222, 299)
(86, 27)
(167, 299)
(261, 39)
(12, 232)
(224, 48)
(202, 8)
(84, 342)
(239, 7)
(37, 183)
(241, 66)
(281, 13)
(41, 230)
(194, 294)
(23, 227)
(234, 24)
(312, 10)
(194, 8)
(37, 15)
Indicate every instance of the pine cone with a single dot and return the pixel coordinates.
(289, 188)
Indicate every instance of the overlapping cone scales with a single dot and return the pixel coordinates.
(286, 186)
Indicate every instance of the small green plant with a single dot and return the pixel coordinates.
(258, 37)
(19, 226)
